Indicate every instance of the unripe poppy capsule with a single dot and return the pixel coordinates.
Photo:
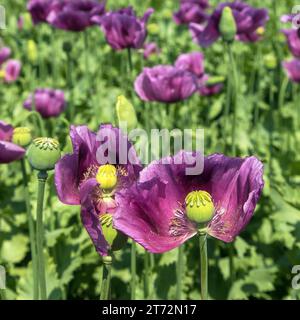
(43, 153)
(199, 206)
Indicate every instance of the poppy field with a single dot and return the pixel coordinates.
(149, 150)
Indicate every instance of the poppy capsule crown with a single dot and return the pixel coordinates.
(107, 177)
(199, 206)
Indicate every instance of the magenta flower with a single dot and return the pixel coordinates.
(292, 69)
(48, 102)
(191, 11)
(74, 15)
(192, 62)
(12, 69)
(165, 83)
(247, 18)
(293, 39)
(39, 10)
(153, 212)
(123, 29)
(9, 151)
(76, 176)
(5, 53)
(150, 49)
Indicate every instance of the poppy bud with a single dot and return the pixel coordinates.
(199, 206)
(22, 136)
(227, 27)
(215, 80)
(43, 153)
(32, 51)
(107, 177)
(270, 61)
(153, 28)
(113, 237)
(126, 112)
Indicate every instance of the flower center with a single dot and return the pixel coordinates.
(199, 206)
(107, 177)
(22, 136)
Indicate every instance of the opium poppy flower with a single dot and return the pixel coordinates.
(167, 207)
(93, 175)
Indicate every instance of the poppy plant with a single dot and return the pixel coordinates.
(167, 207)
(123, 29)
(249, 22)
(87, 179)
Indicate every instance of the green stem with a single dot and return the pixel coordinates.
(40, 121)
(179, 272)
(31, 233)
(42, 178)
(133, 269)
(231, 263)
(234, 99)
(70, 86)
(146, 274)
(203, 265)
(105, 287)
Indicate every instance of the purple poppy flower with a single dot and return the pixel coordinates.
(192, 62)
(191, 11)
(292, 69)
(123, 29)
(150, 49)
(75, 175)
(74, 15)
(153, 211)
(8, 151)
(12, 69)
(293, 39)
(48, 102)
(5, 53)
(247, 18)
(165, 83)
(39, 10)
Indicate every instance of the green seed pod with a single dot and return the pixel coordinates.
(153, 28)
(32, 52)
(22, 136)
(114, 238)
(126, 113)
(270, 61)
(43, 153)
(227, 26)
(199, 206)
(215, 80)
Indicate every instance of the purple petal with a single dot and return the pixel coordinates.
(10, 152)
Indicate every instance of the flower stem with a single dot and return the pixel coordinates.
(31, 233)
(234, 98)
(42, 178)
(203, 265)
(105, 287)
(179, 272)
(146, 274)
(133, 269)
